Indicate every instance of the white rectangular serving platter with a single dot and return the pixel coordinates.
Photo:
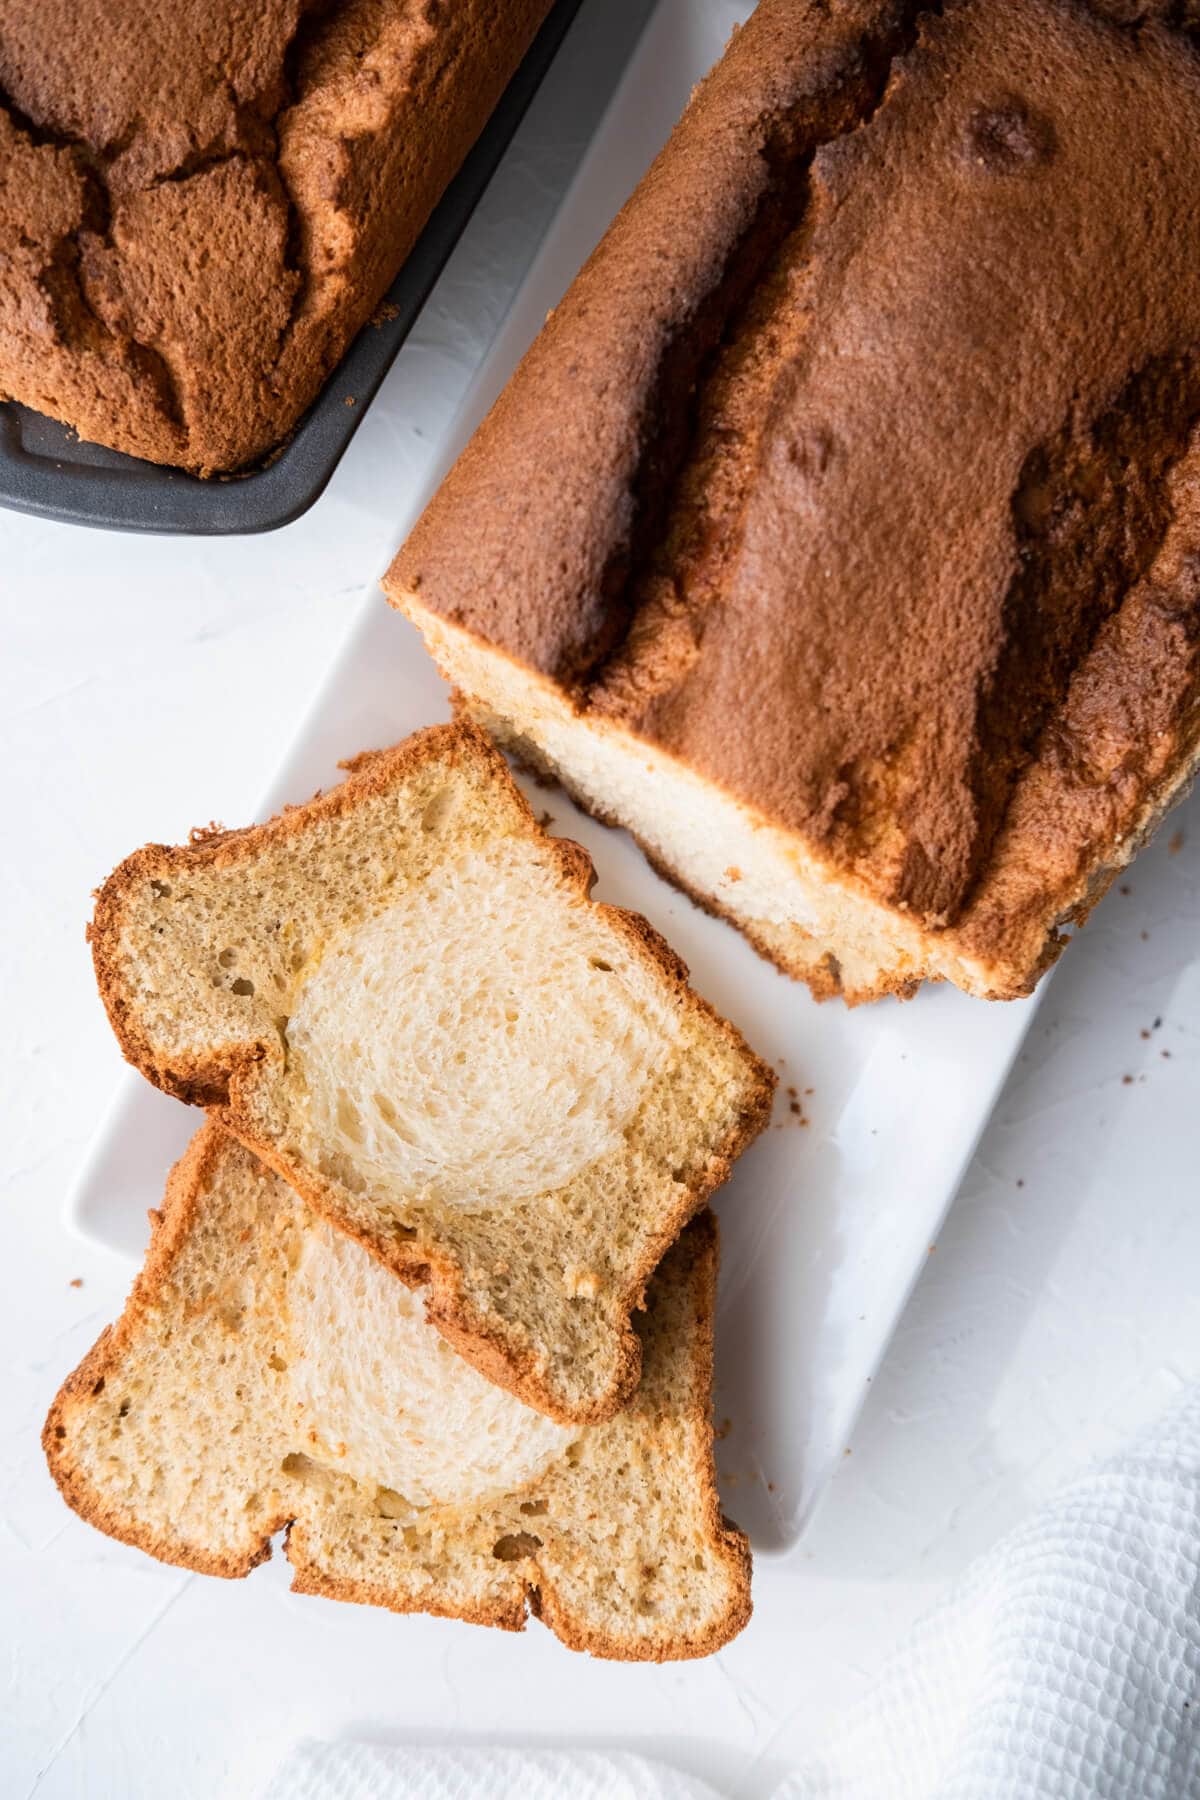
(829, 1217)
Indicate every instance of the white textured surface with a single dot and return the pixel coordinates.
(145, 687)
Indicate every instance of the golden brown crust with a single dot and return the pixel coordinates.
(299, 152)
(890, 479)
(226, 1081)
(528, 538)
(533, 1589)
(307, 1579)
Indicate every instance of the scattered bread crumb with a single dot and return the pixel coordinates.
(77, 1281)
(1175, 843)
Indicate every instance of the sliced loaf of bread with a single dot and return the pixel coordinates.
(839, 535)
(268, 1373)
(401, 997)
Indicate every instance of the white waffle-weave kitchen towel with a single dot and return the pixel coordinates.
(1064, 1665)
(350, 1771)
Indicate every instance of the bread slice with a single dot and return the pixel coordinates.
(839, 534)
(400, 996)
(268, 1373)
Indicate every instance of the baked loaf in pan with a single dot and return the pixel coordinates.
(200, 205)
(268, 1374)
(840, 534)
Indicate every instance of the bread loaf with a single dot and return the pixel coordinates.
(840, 533)
(202, 204)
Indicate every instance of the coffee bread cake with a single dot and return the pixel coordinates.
(201, 205)
(839, 535)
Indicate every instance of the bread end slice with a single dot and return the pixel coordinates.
(402, 998)
(268, 1375)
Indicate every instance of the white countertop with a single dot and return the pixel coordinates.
(149, 685)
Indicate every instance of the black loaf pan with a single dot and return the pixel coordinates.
(45, 469)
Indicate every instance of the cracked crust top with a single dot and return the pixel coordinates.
(178, 1434)
(203, 204)
(869, 495)
(204, 957)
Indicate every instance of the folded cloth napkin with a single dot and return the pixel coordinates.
(1064, 1665)
(350, 1771)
